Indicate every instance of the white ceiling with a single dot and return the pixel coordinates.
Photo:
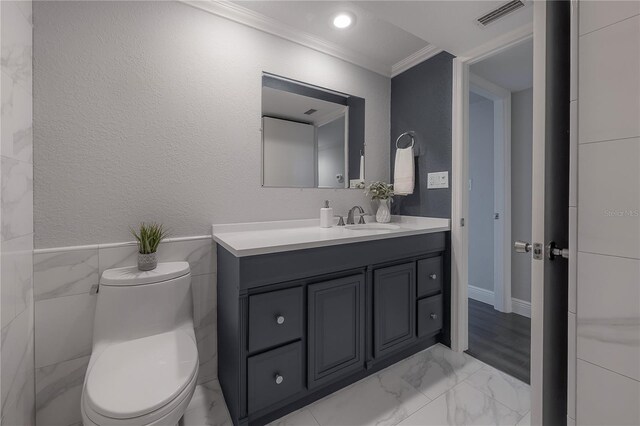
(372, 37)
(388, 36)
(291, 106)
(511, 69)
(450, 25)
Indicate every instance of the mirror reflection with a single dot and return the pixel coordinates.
(311, 137)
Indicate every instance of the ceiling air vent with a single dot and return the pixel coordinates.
(311, 111)
(498, 13)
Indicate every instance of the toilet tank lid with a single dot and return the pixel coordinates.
(131, 275)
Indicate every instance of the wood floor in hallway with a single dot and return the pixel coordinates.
(500, 340)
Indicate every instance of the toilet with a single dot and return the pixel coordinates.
(144, 363)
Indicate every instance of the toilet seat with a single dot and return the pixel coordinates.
(141, 381)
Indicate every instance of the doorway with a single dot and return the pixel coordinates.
(499, 198)
(549, 223)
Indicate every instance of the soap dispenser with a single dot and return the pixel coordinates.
(326, 215)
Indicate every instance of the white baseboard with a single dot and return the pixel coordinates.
(520, 307)
(481, 295)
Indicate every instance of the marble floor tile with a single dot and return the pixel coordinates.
(207, 407)
(485, 396)
(436, 370)
(505, 389)
(463, 405)
(381, 399)
(302, 417)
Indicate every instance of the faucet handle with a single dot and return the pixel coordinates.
(361, 221)
(341, 220)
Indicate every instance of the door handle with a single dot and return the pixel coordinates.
(522, 247)
(553, 251)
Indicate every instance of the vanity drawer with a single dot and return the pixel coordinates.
(429, 315)
(274, 376)
(274, 318)
(430, 276)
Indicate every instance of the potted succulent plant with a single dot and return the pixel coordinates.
(148, 237)
(383, 193)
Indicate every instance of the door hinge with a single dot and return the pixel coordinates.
(462, 221)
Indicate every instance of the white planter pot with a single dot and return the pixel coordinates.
(147, 262)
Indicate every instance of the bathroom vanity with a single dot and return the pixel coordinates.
(304, 311)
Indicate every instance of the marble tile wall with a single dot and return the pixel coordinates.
(606, 309)
(65, 280)
(16, 214)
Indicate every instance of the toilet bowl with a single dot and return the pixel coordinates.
(144, 363)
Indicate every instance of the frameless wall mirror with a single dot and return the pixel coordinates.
(311, 137)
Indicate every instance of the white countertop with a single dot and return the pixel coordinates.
(249, 239)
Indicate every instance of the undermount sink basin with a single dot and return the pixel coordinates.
(373, 227)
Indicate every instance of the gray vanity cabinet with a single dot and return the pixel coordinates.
(394, 307)
(296, 326)
(336, 329)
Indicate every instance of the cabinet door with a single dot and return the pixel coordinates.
(394, 301)
(336, 329)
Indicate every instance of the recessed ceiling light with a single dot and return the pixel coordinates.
(342, 20)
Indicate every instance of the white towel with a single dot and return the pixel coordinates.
(404, 172)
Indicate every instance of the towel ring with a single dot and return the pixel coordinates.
(410, 134)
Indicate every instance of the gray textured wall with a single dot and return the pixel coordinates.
(481, 196)
(421, 101)
(521, 151)
(151, 111)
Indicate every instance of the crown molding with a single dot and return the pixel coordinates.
(414, 59)
(244, 16)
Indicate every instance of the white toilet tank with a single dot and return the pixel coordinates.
(133, 304)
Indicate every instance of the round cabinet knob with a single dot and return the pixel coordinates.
(279, 379)
(280, 319)
(434, 316)
(433, 276)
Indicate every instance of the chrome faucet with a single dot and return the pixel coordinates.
(350, 220)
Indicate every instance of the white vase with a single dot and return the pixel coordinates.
(383, 215)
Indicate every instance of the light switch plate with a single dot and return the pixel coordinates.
(438, 180)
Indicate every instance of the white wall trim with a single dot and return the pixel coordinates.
(459, 179)
(501, 99)
(121, 244)
(414, 59)
(521, 307)
(537, 222)
(481, 294)
(244, 16)
(459, 173)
